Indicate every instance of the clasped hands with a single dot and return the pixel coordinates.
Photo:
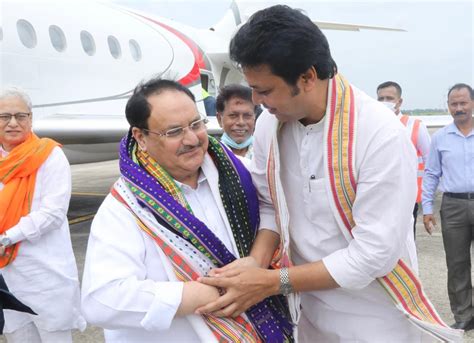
(244, 283)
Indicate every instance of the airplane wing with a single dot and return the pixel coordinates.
(326, 25)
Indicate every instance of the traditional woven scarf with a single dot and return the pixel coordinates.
(157, 191)
(18, 174)
(340, 129)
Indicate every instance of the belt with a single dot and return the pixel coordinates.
(469, 196)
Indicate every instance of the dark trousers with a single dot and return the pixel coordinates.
(457, 221)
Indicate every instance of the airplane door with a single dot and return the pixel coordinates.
(208, 82)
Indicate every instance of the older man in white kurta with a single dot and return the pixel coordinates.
(126, 285)
(37, 261)
(184, 204)
(44, 273)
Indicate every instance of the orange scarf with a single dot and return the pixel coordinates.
(18, 174)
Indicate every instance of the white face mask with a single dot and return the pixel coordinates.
(389, 105)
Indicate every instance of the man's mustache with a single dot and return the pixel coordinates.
(458, 113)
(187, 148)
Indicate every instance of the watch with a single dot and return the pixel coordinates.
(5, 241)
(285, 285)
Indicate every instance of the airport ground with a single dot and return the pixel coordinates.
(91, 183)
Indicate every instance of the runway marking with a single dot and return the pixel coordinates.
(81, 219)
(90, 194)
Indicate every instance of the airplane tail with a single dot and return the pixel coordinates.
(228, 24)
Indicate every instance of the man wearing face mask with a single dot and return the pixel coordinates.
(236, 114)
(390, 94)
(452, 157)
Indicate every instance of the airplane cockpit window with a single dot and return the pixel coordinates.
(88, 43)
(114, 47)
(135, 50)
(57, 37)
(27, 33)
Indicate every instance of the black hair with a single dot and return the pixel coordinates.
(458, 86)
(286, 40)
(138, 109)
(391, 84)
(234, 91)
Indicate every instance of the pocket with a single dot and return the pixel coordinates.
(315, 195)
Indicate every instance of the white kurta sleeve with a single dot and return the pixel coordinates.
(258, 169)
(54, 193)
(122, 286)
(386, 193)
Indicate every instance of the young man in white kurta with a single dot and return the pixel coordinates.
(338, 247)
(360, 305)
(44, 273)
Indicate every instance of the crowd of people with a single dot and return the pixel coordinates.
(298, 226)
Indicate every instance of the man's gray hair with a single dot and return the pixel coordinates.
(16, 92)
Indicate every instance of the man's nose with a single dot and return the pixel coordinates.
(190, 137)
(13, 121)
(256, 98)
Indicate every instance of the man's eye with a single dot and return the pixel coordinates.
(174, 132)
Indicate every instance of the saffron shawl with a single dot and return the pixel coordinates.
(18, 174)
(401, 284)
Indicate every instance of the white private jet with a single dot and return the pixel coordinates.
(80, 60)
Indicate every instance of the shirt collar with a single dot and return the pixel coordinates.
(452, 128)
(184, 187)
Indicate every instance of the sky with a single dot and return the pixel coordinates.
(435, 52)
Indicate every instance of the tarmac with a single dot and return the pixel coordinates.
(92, 182)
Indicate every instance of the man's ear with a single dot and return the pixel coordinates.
(139, 137)
(309, 78)
(400, 102)
(219, 118)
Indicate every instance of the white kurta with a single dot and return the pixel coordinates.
(360, 310)
(44, 273)
(125, 288)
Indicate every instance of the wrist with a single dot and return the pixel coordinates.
(285, 283)
(5, 241)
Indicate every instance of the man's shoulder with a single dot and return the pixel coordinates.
(56, 159)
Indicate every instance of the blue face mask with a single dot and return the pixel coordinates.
(231, 143)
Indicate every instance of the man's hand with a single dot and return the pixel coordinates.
(244, 286)
(429, 222)
(241, 262)
(196, 294)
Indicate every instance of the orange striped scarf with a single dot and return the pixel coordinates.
(401, 283)
(18, 174)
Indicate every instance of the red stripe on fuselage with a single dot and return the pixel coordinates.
(193, 77)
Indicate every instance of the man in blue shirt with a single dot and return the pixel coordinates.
(452, 158)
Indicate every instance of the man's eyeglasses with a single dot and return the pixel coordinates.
(20, 117)
(178, 132)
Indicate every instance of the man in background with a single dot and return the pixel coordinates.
(390, 94)
(236, 115)
(451, 165)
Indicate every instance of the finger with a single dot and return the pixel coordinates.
(227, 267)
(227, 311)
(217, 305)
(212, 272)
(229, 273)
(215, 281)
